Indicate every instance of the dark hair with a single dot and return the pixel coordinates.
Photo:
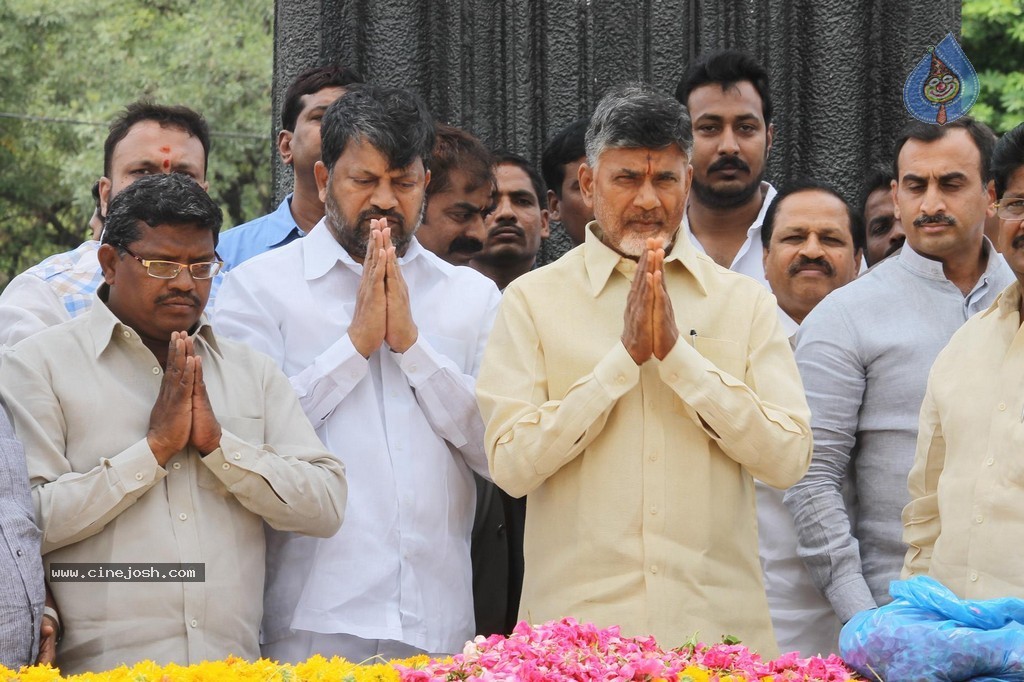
(1007, 157)
(879, 177)
(456, 149)
(179, 117)
(510, 159)
(635, 115)
(984, 140)
(857, 233)
(310, 82)
(566, 146)
(395, 121)
(160, 199)
(727, 68)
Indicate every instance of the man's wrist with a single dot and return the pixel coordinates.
(51, 613)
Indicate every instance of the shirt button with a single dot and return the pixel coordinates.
(654, 509)
(194, 623)
(183, 516)
(126, 334)
(412, 368)
(974, 576)
(654, 568)
(990, 461)
(1002, 407)
(979, 519)
(225, 466)
(18, 552)
(621, 379)
(653, 457)
(156, 370)
(177, 465)
(238, 455)
(138, 476)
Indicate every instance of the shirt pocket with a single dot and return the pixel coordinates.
(724, 354)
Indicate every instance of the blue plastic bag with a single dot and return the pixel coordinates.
(928, 633)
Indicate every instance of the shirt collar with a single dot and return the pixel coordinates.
(105, 327)
(321, 251)
(932, 269)
(1008, 301)
(282, 224)
(600, 260)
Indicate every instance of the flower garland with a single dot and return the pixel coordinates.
(558, 650)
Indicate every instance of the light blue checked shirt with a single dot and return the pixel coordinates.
(60, 288)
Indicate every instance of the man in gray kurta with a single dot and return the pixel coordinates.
(864, 354)
(150, 440)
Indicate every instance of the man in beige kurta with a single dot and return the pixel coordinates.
(149, 445)
(633, 390)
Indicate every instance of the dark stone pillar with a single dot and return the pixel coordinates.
(515, 71)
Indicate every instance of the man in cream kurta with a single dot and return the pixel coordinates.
(86, 398)
(637, 439)
(963, 525)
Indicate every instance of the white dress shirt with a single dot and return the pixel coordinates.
(749, 259)
(406, 425)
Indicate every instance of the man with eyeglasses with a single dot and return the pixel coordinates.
(151, 443)
(963, 525)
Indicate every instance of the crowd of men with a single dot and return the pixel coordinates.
(386, 417)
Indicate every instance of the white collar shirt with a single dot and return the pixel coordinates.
(749, 259)
(406, 424)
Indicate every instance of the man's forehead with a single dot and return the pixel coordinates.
(716, 98)
(511, 178)
(361, 155)
(813, 208)
(323, 97)
(643, 158)
(169, 239)
(953, 153)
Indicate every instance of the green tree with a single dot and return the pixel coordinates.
(993, 38)
(80, 62)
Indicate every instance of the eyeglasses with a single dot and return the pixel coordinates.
(167, 269)
(1010, 209)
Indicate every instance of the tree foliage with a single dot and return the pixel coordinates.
(993, 38)
(82, 61)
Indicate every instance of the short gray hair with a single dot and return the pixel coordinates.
(635, 115)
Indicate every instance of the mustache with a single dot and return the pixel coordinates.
(804, 262)
(729, 162)
(184, 296)
(465, 245)
(506, 225)
(937, 219)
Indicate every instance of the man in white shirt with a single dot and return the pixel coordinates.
(382, 341)
(727, 95)
(813, 241)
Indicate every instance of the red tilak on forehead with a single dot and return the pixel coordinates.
(167, 164)
(165, 149)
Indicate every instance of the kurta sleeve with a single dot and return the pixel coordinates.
(921, 523)
(834, 379)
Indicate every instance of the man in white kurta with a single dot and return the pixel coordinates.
(396, 578)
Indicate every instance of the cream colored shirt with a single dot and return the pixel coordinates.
(81, 395)
(641, 498)
(965, 521)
